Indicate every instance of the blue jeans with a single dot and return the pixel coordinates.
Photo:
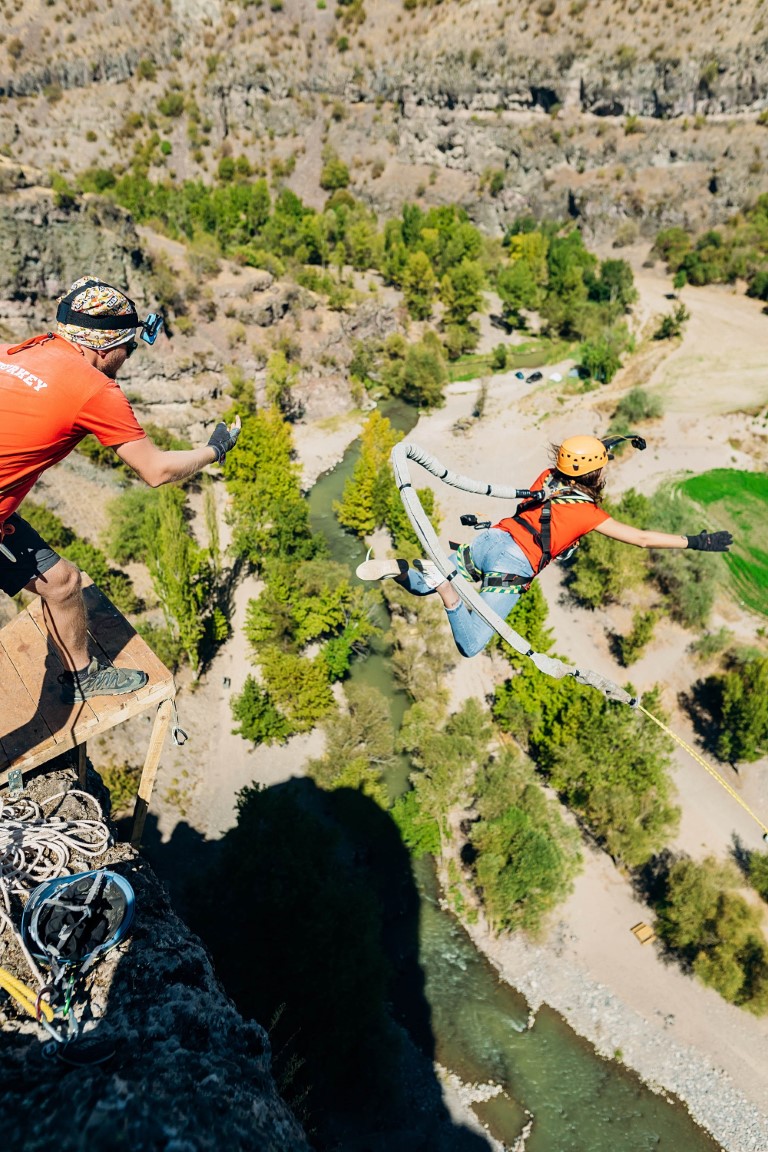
(493, 550)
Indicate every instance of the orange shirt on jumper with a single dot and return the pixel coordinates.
(50, 399)
(568, 524)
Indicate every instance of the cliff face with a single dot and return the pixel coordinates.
(188, 1072)
(422, 102)
(48, 241)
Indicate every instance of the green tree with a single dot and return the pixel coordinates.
(418, 284)
(180, 572)
(742, 711)
(603, 570)
(420, 831)
(417, 372)
(334, 174)
(687, 579)
(359, 745)
(715, 930)
(601, 359)
(614, 285)
(268, 512)
(672, 323)
(257, 717)
(528, 619)
(369, 493)
(297, 686)
(519, 288)
(630, 647)
(281, 379)
(607, 763)
(526, 855)
(461, 291)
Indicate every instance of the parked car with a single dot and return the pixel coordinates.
(534, 376)
(520, 375)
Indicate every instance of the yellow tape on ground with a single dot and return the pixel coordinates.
(708, 767)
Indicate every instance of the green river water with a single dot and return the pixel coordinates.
(579, 1101)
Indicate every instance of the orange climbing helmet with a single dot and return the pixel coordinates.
(579, 455)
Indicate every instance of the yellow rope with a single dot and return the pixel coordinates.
(708, 767)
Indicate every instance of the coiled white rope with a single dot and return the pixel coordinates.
(36, 845)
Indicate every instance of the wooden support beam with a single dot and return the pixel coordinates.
(149, 771)
(82, 763)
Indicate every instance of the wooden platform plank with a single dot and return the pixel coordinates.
(39, 667)
(35, 724)
(134, 706)
(21, 725)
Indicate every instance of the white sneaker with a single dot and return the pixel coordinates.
(381, 569)
(430, 572)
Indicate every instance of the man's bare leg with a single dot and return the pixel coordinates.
(60, 589)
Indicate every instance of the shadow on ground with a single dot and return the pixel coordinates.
(309, 908)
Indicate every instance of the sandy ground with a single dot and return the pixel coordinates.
(713, 387)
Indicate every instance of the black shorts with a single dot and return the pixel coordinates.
(32, 554)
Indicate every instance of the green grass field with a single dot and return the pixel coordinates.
(738, 502)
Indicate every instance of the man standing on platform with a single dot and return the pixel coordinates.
(54, 390)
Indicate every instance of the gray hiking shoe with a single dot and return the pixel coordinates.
(100, 680)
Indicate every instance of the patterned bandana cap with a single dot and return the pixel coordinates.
(99, 300)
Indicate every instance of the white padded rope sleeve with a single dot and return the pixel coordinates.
(401, 454)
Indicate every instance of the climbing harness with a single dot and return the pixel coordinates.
(68, 921)
(551, 493)
(498, 581)
(401, 454)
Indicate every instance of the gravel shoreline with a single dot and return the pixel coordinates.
(597, 1014)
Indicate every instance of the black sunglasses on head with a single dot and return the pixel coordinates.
(130, 347)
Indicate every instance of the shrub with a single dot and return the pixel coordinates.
(636, 407)
(672, 324)
(171, 104)
(630, 647)
(146, 69)
(499, 357)
(334, 174)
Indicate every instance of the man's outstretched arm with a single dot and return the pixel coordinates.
(155, 466)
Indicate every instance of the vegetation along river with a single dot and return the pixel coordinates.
(579, 1101)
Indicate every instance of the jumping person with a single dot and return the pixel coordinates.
(564, 506)
(54, 390)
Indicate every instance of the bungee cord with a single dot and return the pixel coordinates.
(707, 768)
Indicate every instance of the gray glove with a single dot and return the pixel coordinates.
(710, 542)
(224, 438)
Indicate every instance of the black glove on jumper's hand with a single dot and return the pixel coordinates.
(710, 542)
(223, 439)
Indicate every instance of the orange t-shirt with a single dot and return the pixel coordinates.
(568, 524)
(50, 399)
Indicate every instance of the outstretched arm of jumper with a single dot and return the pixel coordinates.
(627, 534)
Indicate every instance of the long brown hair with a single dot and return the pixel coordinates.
(591, 483)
